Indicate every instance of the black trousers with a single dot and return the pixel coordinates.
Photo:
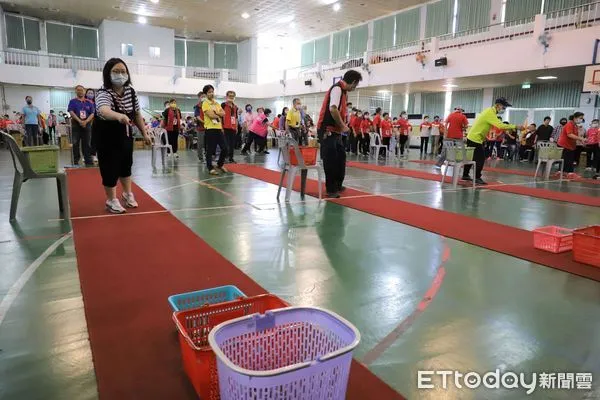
(333, 154)
(523, 149)
(52, 132)
(591, 153)
(354, 139)
(230, 138)
(568, 157)
(173, 140)
(214, 138)
(386, 142)
(82, 138)
(259, 142)
(365, 141)
(424, 144)
(403, 139)
(478, 157)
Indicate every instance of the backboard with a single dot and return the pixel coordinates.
(591, 81)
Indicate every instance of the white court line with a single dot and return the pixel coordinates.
(16, 288)
(310, 199)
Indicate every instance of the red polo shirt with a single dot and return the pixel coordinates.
(386, 128)
(230, 120)
(456, 123)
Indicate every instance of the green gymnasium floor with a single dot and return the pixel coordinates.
(488, 310)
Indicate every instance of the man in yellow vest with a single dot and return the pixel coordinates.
(478, 132)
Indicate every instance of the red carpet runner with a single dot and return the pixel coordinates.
(128, 266)
(510, 171)
(490, 235)
(546, 194)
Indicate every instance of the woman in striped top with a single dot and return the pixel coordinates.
(117, 107)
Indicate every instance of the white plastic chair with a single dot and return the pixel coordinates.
(292, 170)
(548, 153)
(156, 136)
(456, 157)
(375, 144)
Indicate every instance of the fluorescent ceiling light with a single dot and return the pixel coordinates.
(383, 91)
(336, 7)
(328, 2)
(155, 1)
(245, 15)
(526, 86)
(142, 19)
(450, 85)
(548, 77)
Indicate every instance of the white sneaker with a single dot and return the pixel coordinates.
(176, 156)
(95, 159)
(114, 206)
(129, 200)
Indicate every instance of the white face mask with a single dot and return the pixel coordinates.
(118, 79)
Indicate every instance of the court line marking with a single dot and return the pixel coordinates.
(384, 344)
(259, 206)
(16, 288)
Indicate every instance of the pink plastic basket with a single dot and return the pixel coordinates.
(586, 245)
(292, 353)
(553, 239)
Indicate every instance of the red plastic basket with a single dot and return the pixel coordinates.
(308, 153)
(586, 245)
(194, 325)
(553, 239)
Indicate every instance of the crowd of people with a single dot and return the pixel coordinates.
(103, 125)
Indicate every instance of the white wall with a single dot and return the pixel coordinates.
(15, 98)
(113, 33)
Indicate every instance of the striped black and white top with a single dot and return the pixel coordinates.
(128, 103)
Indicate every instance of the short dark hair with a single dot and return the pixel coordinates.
(106, 72)
(28, 97)
(248, 105)
(385, 113)
(206, 88)
(377, 110)
(230, 91)
(278, 115)
(172, 100)
(348, 103)
(79, 86)
(284, 110)
(576, 115)
(200, 94)
(547, 118)
(295, 99)
(437, 116)
(267, 111)
(352, 76)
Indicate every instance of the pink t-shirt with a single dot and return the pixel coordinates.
(258, 126)
(248, 119)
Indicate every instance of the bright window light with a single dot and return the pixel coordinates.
(142, 19)
(154, 52)
(155, 1)
(328, 2)
(336, 7)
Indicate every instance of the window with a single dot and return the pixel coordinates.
(72, 40)
(154, 52)
(225, 55)
(22, 33)
(126, 49)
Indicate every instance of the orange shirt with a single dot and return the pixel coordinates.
(456, 123)
(275, 123)
(386, 128)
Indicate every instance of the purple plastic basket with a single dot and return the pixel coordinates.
(294, 353)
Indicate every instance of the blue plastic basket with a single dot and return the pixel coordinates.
(199, 298)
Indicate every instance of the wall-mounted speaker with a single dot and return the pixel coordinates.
(441, 62)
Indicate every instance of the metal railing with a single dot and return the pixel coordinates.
(574, 18)
(397, 52)
(491, 33)
(34, 59)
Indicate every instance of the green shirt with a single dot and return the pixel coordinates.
(483, 124)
